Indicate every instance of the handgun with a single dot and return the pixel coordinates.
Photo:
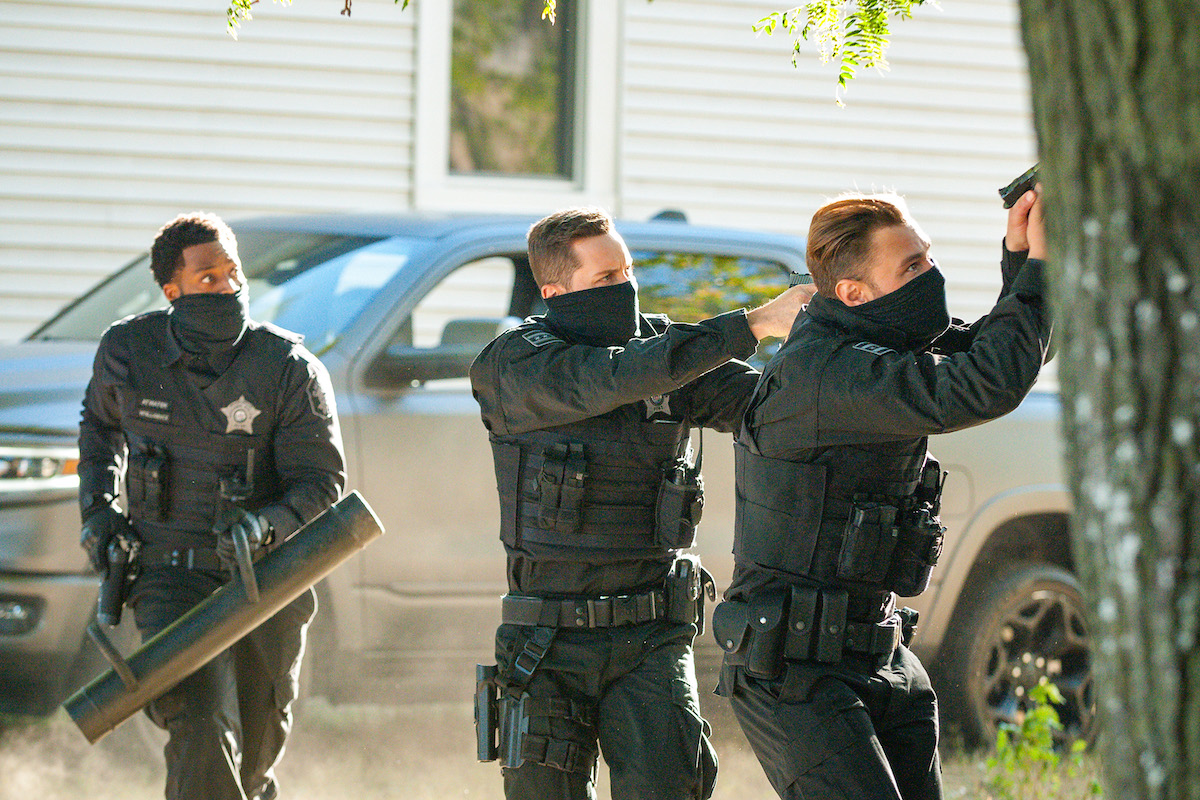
(1021, 184)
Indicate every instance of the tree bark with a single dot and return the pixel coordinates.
(1116, 97)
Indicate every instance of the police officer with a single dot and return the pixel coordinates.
(837, 498)
(588, 409)
(216, 423)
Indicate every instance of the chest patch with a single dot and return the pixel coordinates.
(540, 338)
(239, 415)
(872, 348)
(154, 410)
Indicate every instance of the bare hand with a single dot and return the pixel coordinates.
(775, 318)
(1026, 225)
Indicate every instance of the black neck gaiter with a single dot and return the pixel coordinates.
(209, 324)
(606, 316)
(917, 309)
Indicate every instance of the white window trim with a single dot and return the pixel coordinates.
(434, 189)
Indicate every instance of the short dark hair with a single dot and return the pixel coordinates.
(551, 257)
(198, 227)
(839, 237)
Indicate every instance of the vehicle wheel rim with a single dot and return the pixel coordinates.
(1043, 636)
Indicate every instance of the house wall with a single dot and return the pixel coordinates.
(117, 114)
(717, 122)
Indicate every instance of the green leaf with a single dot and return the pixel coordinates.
(853, 32)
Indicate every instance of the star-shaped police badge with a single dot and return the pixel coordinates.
(240, 415)
(658, 404)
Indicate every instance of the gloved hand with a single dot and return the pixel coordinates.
(258, 534)
(99, 527)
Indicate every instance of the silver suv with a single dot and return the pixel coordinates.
(396, 307)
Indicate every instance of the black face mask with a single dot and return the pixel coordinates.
(606, 316)
(210, 323)
(917, 309)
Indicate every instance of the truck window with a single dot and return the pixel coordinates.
(448, 327)
(688, 287)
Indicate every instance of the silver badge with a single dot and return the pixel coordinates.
(658, 404)
(240, 415)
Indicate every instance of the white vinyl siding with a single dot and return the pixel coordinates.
(717, 123)
(117, 115)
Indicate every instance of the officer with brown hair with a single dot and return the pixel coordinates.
(837, 498)
(589, 410)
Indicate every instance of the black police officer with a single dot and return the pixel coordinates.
(215, 422)
(589, 410)
(837, 498)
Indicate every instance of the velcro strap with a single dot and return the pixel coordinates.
(557, 708)
(599, 612)
(561, 754)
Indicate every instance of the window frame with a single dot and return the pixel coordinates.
(594, 151)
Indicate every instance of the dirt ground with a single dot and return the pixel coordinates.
(368, 752)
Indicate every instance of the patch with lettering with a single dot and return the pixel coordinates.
(317, 399)
(874, 349)
(540, 338)
(239, 415)
(154, 410)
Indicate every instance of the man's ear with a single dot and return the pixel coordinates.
(552, 290)
(171, 292)
(850, 292)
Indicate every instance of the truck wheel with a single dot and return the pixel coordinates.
(1026, 624)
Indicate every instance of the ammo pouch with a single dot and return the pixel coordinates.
(801, 623)
(560, 487)
(146, 485)
(685, 590)
(868, 542)
(680, 503)
(751, 633)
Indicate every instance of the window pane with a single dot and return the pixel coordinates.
(689, 287)
(512, 88)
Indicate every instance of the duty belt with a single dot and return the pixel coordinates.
(201, 558)
(599, 612)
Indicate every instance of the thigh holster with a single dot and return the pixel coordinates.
(539, 730)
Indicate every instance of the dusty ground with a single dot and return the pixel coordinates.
(364, 752)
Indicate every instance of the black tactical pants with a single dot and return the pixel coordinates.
(227, 722)
(844, 731)
(634, 688)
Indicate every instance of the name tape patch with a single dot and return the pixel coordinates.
(540, 338)
(872, 348)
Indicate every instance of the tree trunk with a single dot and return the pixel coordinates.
(1116, 97)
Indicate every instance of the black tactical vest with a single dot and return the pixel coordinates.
(186, 444)
(855, 518)
(599, 490)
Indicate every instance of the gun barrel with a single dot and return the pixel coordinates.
(225, 616)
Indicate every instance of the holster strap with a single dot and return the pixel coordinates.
(598, 612)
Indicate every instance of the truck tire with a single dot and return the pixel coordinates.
(1027, 623)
